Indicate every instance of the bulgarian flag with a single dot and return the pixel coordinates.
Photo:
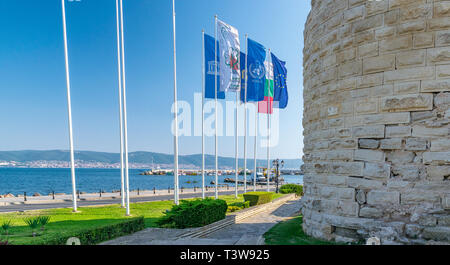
(266, 106)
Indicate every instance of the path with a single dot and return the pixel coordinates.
(68, 204)
(246, 232)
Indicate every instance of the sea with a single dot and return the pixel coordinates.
(45, 181)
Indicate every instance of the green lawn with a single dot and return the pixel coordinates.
(64, 222)
(290, 232)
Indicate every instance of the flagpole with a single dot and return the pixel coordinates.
(215, 109)
(268, 122)
(203, 114)
(236, 146)
(175, 173)
(125, 131)
(69, 109)
(255, 147)
(245, 115)
(119, 64)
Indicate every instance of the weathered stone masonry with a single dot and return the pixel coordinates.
(377, 120)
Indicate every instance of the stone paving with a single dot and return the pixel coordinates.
(246, 232)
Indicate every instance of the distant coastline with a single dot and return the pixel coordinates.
(138, 160)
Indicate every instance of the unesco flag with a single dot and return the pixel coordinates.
(210, 69)
(256, 72)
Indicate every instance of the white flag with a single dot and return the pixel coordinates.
(229, 67)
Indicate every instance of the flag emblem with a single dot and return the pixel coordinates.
(257, 70)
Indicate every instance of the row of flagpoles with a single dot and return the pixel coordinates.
(228, 58)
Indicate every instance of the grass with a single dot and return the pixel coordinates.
(65, 222)
(290, 232)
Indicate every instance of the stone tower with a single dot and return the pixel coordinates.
(377, 121)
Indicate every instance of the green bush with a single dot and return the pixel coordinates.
(100, 234)
(237, 206)
(292, 188)
(195, 213)
(257, 197)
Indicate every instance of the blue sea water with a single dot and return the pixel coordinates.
(44, 181)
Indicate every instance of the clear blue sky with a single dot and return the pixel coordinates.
(32, 78)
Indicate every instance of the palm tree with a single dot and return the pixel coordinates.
(33, 223)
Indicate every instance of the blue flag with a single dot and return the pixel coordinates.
(280, 96)
(210, 69)
(256, 72)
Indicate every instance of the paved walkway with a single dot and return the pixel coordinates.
(246, 232)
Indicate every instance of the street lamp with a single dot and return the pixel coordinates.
(277, 164)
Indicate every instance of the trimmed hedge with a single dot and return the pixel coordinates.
(101, 234)
(195, 213)
(292, 188)
(258, 197)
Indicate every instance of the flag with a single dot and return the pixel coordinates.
(256, 72)
(280, 97)
(210, 69)
(230, 74)
(266, 106)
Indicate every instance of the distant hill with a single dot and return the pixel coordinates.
(134, 157)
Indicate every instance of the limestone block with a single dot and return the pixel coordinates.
(396, 44)
(391, 143)
(411, 58)
(350, 69)
(439, 233)
(366, 106)
(412, 26)
(422, 131)
(368, 23)
(383, 118)
(407, 88)
(398, 131)
(369, 143)
(440, 144)
(379, 64)
(413, 230)
(369, 155)
(438, 173)
(439, 24)
(383, 197)
(406, 172)
(368, 50)
(374, 7)
(399, 184)
(404, 3)
(415, 197)
(410, 74)
(442, 9)
(386, 32)
(370, 212)
(438, 55)
(424, 40)
(361, 183)
(413, 102)
(368, 131)
(436, 157)
(443, 71)
(443, 38)
(416, 11)
(416, 144)
(435, 85)
(344, 144)
(446, 202)
(354, 13)
(361, 197)
(377, 170)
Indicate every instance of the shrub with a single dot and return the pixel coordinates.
(292, 188)
(232, 209)
(33, 223)
(237, 206)
(43, 221)
(6, 226)
(257, 197)
(101, 234)
(195, 213)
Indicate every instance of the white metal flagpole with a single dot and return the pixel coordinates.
(268, 122)
(203, 114)
(175, 171)
(119, 64)
(255, 148)
(69, 108)
(125, 131)
(236, 131)
(215, 109)
(245, 115)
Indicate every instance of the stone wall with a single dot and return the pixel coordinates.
(376, 120)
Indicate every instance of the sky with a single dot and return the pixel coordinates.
(33, 102)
